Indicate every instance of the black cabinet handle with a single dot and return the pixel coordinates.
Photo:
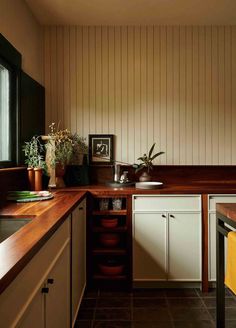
(81, 208)
(163, 216)
(45, 290)
(172, 216)
(50, 281)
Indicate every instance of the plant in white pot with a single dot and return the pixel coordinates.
(146, 164)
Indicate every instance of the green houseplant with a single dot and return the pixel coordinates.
(34, 159)
(146, 163)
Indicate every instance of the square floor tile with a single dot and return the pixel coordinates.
(113, 314)
(189, 314)
(230, 314)
(157, 324)
(140, 314)
(212, 293)
(181, 292)
(149, 302)
(195, 324)
(115, 302)
(185, 302)
(112, 324)
(156, 293)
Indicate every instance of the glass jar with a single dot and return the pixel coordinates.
(117, 204)
(103, 204)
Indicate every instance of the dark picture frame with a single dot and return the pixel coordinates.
(101, 149)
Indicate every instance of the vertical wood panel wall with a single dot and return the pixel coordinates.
(172, 85)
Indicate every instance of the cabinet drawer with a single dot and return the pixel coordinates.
(220, 199)
(167, 203)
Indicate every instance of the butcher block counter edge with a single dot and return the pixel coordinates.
(17, 250)
(228, 210)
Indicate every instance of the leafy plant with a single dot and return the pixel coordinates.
(34, 150)
(67, 145)
(147, 160)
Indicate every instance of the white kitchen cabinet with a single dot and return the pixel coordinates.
(167, 238)
(184, 246)
(212, 200)
(78, 273)
(149, 247)
(24, 304)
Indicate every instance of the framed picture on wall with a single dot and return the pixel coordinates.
(101, 149)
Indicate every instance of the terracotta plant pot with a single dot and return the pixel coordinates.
(109, 239)
(31, 181)
(38, 175)
(109, 222)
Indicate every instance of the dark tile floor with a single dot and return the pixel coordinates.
(155, 308)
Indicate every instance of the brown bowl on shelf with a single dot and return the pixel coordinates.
(111, 270)
(109, 239)
(109, 222)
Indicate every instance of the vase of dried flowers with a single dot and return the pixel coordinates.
(64, 148)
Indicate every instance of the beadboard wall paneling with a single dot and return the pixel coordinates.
(175, 85)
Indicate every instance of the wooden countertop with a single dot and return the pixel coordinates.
(17, 250)
(197, 187)
(228, 210)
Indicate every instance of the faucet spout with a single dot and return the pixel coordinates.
(116, 172)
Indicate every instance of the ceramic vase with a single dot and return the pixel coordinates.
(60, 172)
(145, 176)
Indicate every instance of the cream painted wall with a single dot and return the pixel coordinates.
(18, 26)
(172, 85)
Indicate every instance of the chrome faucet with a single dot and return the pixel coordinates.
(116, 172)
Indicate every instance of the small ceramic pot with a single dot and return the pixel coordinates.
(109, 239)
(109, 222)
(111, 270)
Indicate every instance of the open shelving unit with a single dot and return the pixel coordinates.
(100, 254)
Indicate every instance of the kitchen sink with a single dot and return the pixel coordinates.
(9, 225)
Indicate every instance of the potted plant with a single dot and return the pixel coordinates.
(63, 148)
(147, 164)
(34, 159)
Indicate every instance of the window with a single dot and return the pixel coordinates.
(7, 115)
(4, 114)
(10, 64)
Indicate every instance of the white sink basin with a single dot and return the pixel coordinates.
(148, 185)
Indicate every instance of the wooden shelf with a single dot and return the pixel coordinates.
(116, 229)
(107, 277)
(110, 212)
(113, 251)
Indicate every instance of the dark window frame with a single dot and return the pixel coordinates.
(11, 59)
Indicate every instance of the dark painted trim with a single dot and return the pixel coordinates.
(9, 53)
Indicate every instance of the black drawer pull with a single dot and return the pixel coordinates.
(45, 290)
(50, 281)
(163, 216)
(81, 208)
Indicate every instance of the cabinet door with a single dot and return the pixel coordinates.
(34, 313)
(58, 298)
(78, 257)
(184, 247)
(149, 246)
